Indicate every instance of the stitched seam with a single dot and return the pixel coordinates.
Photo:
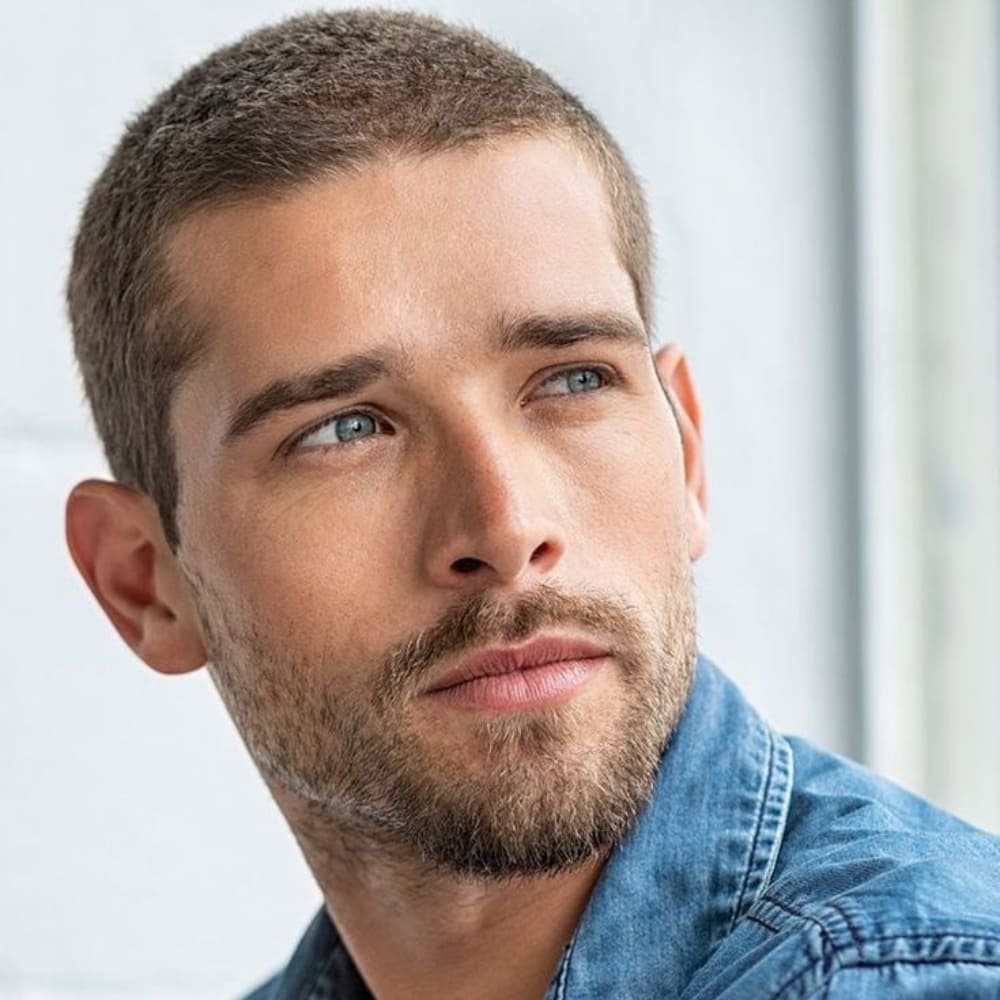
(782, 755)
(754, 919)
(840, 959)
(944, 960)
(564, 971)
(935, 936)
(756, 834)
(828, 952)
(850, 927)
(859, 943)
(828, 981)
(792, 912)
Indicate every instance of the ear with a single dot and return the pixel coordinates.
(116, 540)
(672, 368)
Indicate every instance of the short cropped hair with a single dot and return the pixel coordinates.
(311, 96)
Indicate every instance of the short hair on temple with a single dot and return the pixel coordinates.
(309, 96)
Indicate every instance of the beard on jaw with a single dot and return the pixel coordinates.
(530, 793)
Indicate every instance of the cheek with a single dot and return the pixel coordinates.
(630, 491)
(309, 571)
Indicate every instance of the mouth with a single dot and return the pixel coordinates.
(544, 670)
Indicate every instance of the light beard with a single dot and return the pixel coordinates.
(531, 793)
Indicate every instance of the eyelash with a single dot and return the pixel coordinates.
(289, 448)
(610, 377)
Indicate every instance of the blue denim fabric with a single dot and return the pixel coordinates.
(763, 868)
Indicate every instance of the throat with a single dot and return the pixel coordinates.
(466, 941)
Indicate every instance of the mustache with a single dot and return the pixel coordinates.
(481, 620)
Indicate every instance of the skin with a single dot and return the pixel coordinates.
(482, 478)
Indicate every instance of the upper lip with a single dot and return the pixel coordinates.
(508, 659)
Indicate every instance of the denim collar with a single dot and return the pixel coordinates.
(696, 860)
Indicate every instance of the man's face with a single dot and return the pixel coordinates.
(427, 424)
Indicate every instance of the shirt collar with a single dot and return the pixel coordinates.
(698, 857)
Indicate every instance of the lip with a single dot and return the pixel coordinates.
(498, 660)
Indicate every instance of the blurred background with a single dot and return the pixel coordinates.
(824, 182)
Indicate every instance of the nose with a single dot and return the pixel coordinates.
(493, 514)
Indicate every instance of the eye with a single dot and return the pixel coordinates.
(573, 381)
(341, 429)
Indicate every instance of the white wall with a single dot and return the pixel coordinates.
(139, 853)
(928, 153)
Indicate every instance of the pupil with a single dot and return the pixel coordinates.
(353, 426)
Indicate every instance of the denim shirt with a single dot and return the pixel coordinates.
(762, 867)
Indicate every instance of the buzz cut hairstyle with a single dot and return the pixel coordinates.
(311, 96)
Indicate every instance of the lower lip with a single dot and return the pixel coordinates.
(541, 685)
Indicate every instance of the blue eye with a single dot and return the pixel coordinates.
(574, 381)
(353, 425)
(341, 429)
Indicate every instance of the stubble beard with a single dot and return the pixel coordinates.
(532, 796)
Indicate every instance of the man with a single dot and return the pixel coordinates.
(362, 309)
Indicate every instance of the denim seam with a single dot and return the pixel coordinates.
(860, 943)
(564, 971)
(754, 919)
(868, 964)
(829, 954)
(800, 915)
(847, 923)
(936, 936)
(784, 770)
(835, 958)
(758, 823)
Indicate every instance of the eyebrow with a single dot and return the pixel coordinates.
(357, 372)
(347, 377)
(535, 331)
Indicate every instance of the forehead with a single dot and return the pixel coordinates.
(423, 255)
(435, 221)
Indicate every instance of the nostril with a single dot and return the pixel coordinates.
(467, 565)
(542, 551)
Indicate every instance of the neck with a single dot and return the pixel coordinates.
(412, 932)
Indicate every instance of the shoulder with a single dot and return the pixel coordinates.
(874, 893)
(864, 842)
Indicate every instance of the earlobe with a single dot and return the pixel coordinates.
(675, 377)
(116, 541)
(697, 528)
